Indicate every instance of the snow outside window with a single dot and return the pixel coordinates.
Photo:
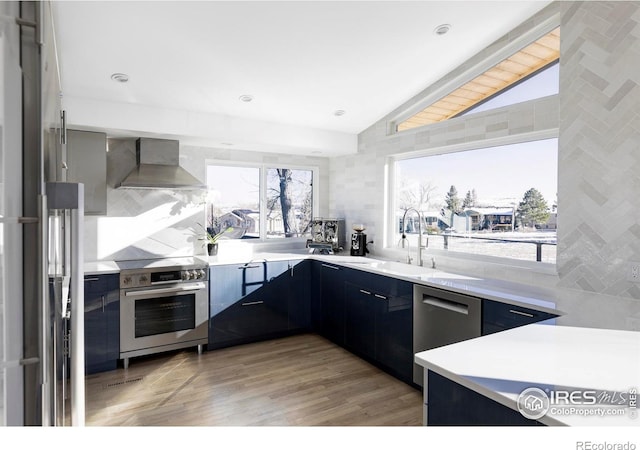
(245, 202)
(495, 201)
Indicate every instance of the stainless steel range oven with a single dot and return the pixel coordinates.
(164, 305)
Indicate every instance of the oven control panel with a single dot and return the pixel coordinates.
(146, 279)
(194, 274)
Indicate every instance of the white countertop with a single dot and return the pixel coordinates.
(100, 267)
(491, 289)
(501, 365)
(501, 291)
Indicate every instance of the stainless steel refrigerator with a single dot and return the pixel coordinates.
(41, 231)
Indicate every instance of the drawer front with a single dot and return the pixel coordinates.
(498, 316)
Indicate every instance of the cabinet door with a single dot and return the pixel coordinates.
(360, 319)
(332, 303)
(230, 289)
(87, 163)
(276, 294)
(451, 404)
(248, 302)
(102, 322)
(379, 321)
(498, 316)
(112, 311)
(300, 295)
(394, 328)
(316, 296)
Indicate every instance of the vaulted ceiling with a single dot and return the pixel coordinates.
(189, 64)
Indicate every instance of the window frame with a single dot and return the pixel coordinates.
(391, 202)
(262, 168)
(470, 74)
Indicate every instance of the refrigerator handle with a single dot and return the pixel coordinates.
(77, 311)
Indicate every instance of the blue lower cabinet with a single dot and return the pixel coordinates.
(498, 316)
(253, 301)
(361, 309)
(299, 295)
(101, 322)
(379, 321)
(332, 302)
(394, 330)
(369, 314)
(451, 404)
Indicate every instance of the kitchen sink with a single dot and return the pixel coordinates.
(396, 268)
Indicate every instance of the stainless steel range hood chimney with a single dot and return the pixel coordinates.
(158, 167)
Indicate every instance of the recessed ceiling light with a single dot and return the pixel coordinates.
(339, 112)
(246, 98)
(442, 29)
(120, 77)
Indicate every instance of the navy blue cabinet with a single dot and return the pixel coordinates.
(332, 301)
(297, 285)
(394, 328)
(498, 316)
(369, 314)
(361, 309)
(101, 322)
(256, 300)
(379, 321)
(451, 404)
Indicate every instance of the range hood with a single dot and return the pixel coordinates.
(157, 167)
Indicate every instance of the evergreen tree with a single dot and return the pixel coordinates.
(452, 201)
(453, 204)
(533, 208)
(468, 200)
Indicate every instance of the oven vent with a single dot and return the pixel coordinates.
(122, 383)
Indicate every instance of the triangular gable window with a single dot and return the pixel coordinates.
(533, 61)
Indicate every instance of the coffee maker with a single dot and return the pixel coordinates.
(327, 236)
(358, 241)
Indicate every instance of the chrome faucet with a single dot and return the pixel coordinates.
(404, 236)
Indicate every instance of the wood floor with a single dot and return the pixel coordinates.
(303, 380)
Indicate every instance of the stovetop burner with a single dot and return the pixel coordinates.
(174, 263)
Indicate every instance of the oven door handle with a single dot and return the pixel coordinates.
(172, 290)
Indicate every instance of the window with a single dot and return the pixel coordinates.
(289, 202)
(526, 72)
(543, 83)
(253, 202)
(495, 201)
(233, 201)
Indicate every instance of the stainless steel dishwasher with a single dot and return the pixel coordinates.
(440, 318)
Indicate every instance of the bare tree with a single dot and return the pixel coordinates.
(286, 203)
(416, 195)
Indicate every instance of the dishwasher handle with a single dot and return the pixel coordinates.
(450, 305)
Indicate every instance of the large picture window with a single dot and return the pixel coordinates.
(259, 202)
(495, 201)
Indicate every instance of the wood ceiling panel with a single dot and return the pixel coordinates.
(498, 78)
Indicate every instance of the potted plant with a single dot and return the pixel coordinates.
(212, 234)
